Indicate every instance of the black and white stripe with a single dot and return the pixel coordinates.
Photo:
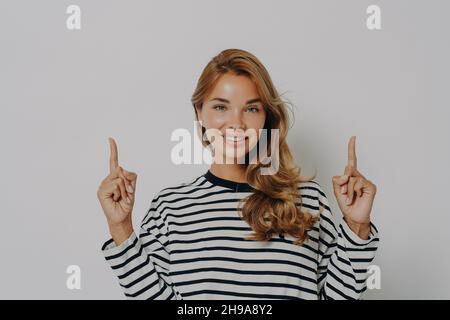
(191, 246)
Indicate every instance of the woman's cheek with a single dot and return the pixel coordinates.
(252, 141)
(216, 120)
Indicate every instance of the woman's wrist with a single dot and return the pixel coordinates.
(362, 230)
(120, 231)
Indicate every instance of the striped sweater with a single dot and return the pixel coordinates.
(192, 245)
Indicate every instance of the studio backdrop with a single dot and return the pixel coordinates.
(73, 73)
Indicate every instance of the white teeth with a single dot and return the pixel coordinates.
(234, 139)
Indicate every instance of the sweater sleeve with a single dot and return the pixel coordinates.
(343, 256)
(141, 264)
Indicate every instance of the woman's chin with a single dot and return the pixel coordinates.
(230, 155)
(233, 156)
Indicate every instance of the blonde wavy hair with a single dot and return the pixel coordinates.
(272, 208)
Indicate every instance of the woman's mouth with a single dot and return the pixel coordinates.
(235, 141)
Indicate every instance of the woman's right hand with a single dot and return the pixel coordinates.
(116, 192)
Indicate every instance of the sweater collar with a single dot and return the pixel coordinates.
(235, 186)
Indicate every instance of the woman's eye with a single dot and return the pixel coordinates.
(219, 107)
(253, 109)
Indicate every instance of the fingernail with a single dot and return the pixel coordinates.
(129, 189)
(342, 190)
(347, 201)
(128, 200)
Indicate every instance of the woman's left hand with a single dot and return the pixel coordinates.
(354, 193)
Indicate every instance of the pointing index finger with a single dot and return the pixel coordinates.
(352, 152)
(113, 158)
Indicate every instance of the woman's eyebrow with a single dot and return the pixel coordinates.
(226, 101)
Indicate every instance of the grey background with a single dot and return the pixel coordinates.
(130, 72)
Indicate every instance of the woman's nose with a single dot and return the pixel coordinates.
(236, 120)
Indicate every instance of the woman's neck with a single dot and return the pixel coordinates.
(233, 172)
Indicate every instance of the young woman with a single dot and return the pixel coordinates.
(234, 232)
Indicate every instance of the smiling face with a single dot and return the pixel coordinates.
(233, 115)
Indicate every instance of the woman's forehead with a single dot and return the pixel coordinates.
(234, 88)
